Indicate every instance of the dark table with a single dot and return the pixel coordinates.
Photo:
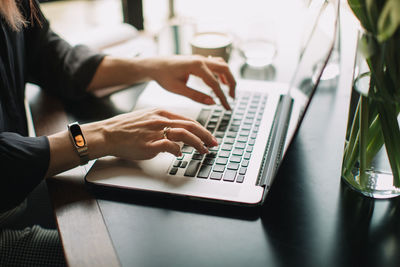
(310, 217)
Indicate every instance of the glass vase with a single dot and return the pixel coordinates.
(371, 157)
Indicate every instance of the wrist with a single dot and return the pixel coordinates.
(95, 138)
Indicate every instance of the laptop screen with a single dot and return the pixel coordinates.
(316, 67)
(318, 64)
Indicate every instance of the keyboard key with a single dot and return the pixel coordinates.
(210, 128)
(224, 154)
(216, 175)
(245, 163)
(173, 170)
(213, 120)
(203, 116)
(246, 127)
(219, 168)
(253, 135)
(237, 152)
(247, 155)
(240, 179)
(242, 170)
(226, 147)
(209, 161)
(192, 168)
(244, 133)
(204, 171)
(222, 161)
(211, 155)
(222, 128)
(234, 128)
(236, 159)
(177, 163)
(197, 156)
(212, 123)
(187, 149)
(249, 149)
(231, 134)
(242, 139)
(219, 134)
(240, 145)
(213, 149)
(236, 123)
(229, 140)
(233, 166)
(224, 122)
(230, 175)
(183, 164)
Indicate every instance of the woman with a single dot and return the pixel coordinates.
(31, 52)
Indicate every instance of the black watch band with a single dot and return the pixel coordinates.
(79, 142)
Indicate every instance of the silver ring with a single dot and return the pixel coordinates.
(166, 131)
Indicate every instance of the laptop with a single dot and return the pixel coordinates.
(253, 138)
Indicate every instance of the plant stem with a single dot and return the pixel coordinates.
(363, 141)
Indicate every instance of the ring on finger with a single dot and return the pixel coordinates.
(166, 131)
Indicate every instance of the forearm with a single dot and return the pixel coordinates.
(116, 71)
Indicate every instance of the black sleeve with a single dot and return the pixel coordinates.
(56, 66)
(24, 163)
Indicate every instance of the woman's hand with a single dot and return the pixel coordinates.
(139, 135)
(136, 135)
(172, 73)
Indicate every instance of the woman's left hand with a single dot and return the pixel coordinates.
(172, 73)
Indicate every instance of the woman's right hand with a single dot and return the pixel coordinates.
(139, 135)
(136, 135)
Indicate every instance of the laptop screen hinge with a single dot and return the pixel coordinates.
(276, 141)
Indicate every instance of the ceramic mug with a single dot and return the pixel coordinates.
(215, 44)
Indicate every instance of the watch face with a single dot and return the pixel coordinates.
(79, 141)
(77, 135)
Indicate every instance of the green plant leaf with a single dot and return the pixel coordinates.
(389, 20)
(359, 9)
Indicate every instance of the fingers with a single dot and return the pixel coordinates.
(196, 95)
(219, 66)
(165, 145)
(183, 135)
(181, 129)
(208, 77)
(196, 129)
(192, 126)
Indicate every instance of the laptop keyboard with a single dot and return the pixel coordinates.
(236, 132)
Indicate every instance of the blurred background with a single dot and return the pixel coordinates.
(266, 34)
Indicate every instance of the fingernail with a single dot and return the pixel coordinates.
(209, 101)
(215, 141)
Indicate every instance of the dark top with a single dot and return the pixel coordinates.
(37, 55)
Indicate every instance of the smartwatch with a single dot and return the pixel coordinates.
(79, 142)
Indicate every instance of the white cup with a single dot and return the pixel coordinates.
(215, 44)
